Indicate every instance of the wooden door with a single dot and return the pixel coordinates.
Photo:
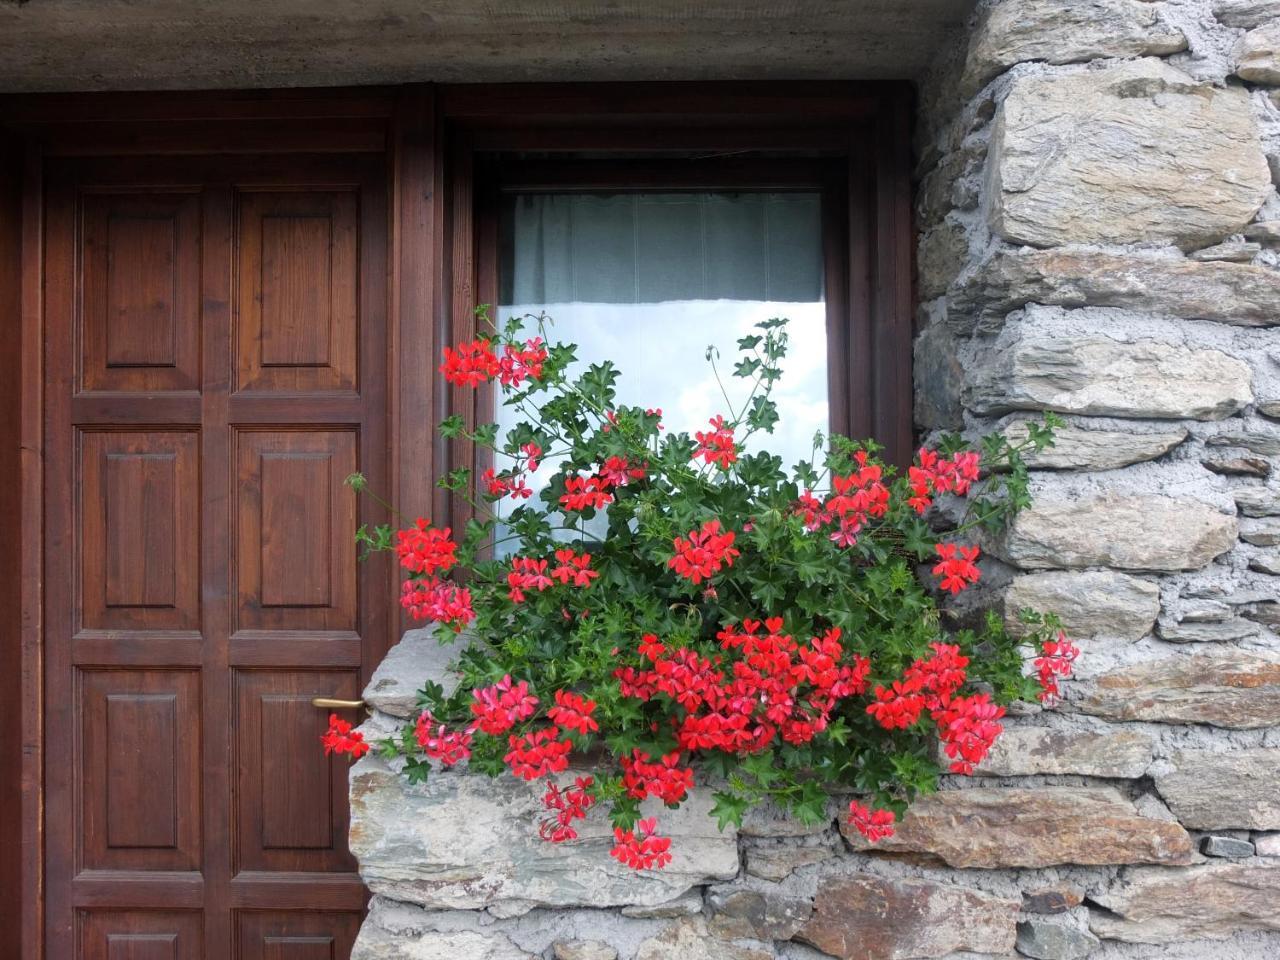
(215, 367)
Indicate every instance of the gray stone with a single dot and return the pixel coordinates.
(939, 379)
(1054, 940)
(1239, 467)
(1267, 845)
(778, 863)
(419, 657)
(1213, 790)
(1233, 251)
(1064, 31)
(1226, 689)
(1258, 440)
(1075, 448)
(1194, 631)
(689, 939)
(865, 917)
(1090, 604)
(1026, 751)
(1213, 901)
(464, 841)
(1246, 13)
(396, 931)
(751, 915)
(1264, 231)
(769, 820)
(1266, 563)
(1125, 531)
(1051, 900)
(1261, 532)
(1134, 153)
(688, 904)
(994, 827)
(1103, 377)
(1257, 54)
(1226, 847)
(1231, 293)
(1257, 501)
(582, 950)
(942, 254)
(1269, 408)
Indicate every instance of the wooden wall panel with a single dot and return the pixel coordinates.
(140, 510)
(139, 770)
(297, 326)
(139, 302)
(284, 935)
(139, 935)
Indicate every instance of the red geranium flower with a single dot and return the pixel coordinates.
(537, 754)
(340, 738)
(573, 712)
(583, 492)
(716, 445)
(470, 364)
(499, 707)
(898, 706)
(956, 568)
(701, 556)
(872, 824)
(440, 743)
(424, 549)
(641, 849)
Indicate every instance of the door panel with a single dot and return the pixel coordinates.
(224, 372)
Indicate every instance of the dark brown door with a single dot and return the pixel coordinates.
(216, 366)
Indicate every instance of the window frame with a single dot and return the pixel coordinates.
(851, 141)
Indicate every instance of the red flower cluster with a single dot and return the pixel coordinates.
(644, 851)
(500, 707)
(521, 363)
(855, 497)
(573, 712)
(440, 743)
(701, 556)
(968, 727)
(666, 779)
(941, 675)
(1057, 659)
(583, 492)
(569, 805)
(898, 706)
(424, 549)
(470, 364)
(526, 574)
(340, 738)
(499, 486)
(438, 601)
(717, 444)
(774, 687)
(537, 754)
(619, 471)
(934, 474)
(956, 566)
(872, 824)
(575, 567)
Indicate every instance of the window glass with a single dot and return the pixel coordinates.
(650, 280)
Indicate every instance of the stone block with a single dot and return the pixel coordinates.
(1226, 847)
(1051, 900)
(1212, 901)
(778, 863)
(1231, 293)
(865, 917)
(1125, 531)
(464, 841)
(1134, 153)
(689, 939)
(1064, 31)
(421, 655)
(1228, 689)
(751, 915)
(1257, 54)
(1054, 940)
(1206, 631)
(1099, 376)
(1095, 603)
(395, 931)
(997, 827)
(1214, 790)
(1075, 448)
(1026, 751)
(1246, 13)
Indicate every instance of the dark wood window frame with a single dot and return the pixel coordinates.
(435, 139)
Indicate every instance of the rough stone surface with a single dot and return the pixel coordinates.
(1246, 13)
(1026, 751)
(1134, 153)
(1238, 467)
(463, 841)
(1054, 940)
(1267, 845)
(1226, 847)
(1064, 31)
(1091, 603)
(1104, 377)
(394, 932)
(1214, 790)
(1051, 900)
(1257, 55)
(1229, 689)
(778, 863)
(417, 658)
(1008, 827)
(1193, 631)
(583, 950)
(1262, 532)
(1075, 448)
(688, 904)
(1257, 501)
(1232, 293)
(689, 939)
(865, 917)
(1233, 251)
(1128, 532)
(1268, 563)
(1150, 905)
(748, 914)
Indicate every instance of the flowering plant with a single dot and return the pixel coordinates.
(762, 628)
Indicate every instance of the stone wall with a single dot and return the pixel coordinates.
(1100, 236)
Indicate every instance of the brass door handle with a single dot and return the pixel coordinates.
(331, 703)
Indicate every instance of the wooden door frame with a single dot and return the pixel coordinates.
(431, 136)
